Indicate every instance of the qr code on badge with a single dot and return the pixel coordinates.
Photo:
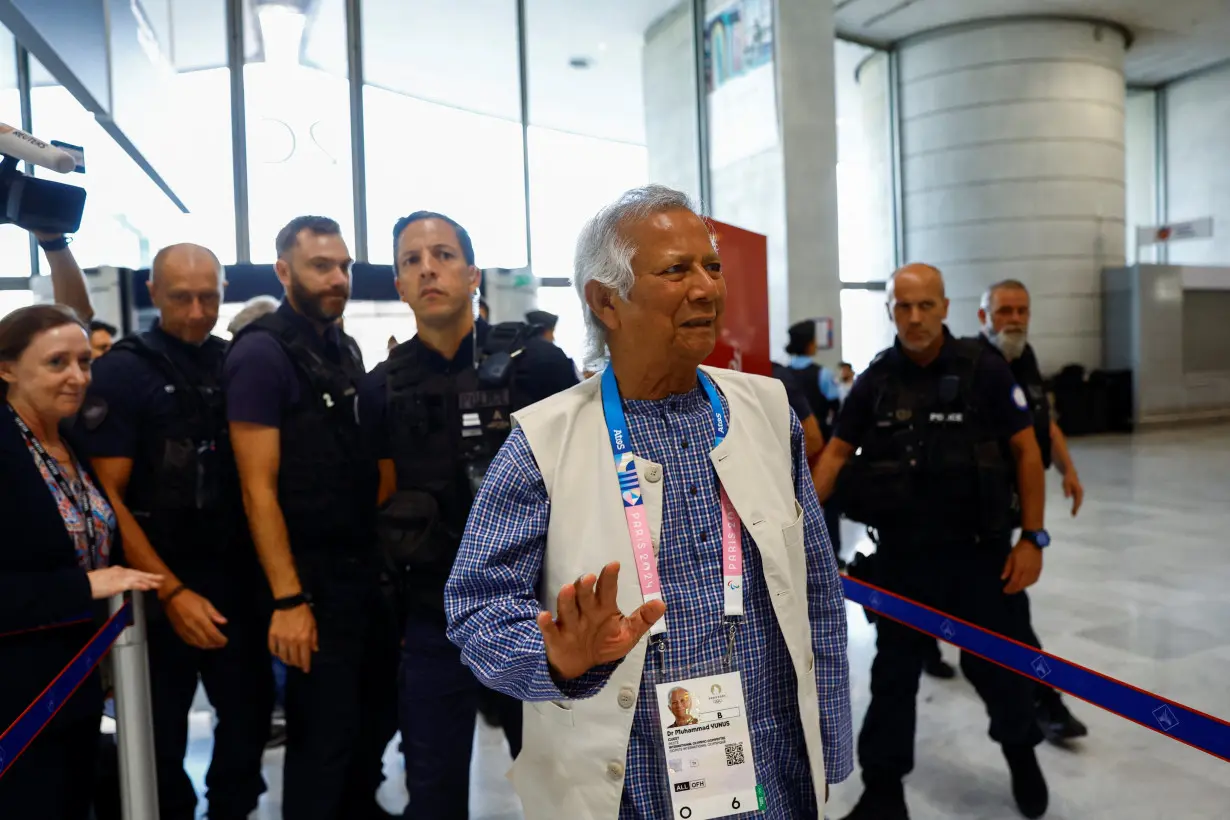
(734, 754)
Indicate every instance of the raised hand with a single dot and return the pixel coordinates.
(588, 629)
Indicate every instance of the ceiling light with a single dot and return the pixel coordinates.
(580, 63)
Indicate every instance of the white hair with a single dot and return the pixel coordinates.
(252, 310)
(604, 254)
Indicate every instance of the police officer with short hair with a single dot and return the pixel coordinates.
(309, 486)
(155, 424)
(940, 429)
(1004, 315)
(435, 414)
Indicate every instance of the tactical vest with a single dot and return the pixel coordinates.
(326, 481)
(929, 464)
(183, 489)
(445, 428)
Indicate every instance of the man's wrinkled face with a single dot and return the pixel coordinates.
(681, 703)
(433, 276)
(1006, 320)
(678, 294)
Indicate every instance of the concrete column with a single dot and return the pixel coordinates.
(773, 158)
(1013, 167)
(669, 80)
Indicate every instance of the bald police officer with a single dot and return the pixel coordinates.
(155, 425)
(940, 429)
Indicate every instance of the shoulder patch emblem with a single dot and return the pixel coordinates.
(94, 412)
(1018, 398)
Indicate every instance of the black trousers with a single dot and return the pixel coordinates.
(53, 779)
(962, 580)
(1025, 627)
(238, 680)
(438, 705)
(341, 714)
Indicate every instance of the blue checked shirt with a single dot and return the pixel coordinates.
(492, 604)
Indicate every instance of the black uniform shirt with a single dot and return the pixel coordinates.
(542, 370)
(1004, 402)
(128, 392)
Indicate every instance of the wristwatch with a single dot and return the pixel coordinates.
(292, 601)
(58, 243)
(1039, 538)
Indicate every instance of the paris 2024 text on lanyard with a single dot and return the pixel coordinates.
(705, 732)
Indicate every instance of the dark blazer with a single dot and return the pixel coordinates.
(40, 584)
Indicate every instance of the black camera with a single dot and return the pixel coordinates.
(33, 203)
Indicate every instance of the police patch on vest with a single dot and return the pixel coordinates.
(947, 418)
(94, 412)
(1018, 398)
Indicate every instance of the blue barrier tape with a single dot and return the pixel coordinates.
(18, 736)
(1174, 720)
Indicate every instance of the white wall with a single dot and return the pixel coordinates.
(1197, 170)
(669, 79)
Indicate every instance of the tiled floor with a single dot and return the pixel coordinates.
(1136, 587)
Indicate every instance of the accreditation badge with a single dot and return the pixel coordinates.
(708, 747)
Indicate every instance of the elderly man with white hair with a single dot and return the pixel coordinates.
(695, 480)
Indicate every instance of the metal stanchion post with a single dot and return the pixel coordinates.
(133, 716)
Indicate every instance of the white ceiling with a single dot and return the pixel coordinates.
(1170, 37)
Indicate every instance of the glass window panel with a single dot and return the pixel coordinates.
(426, 156)
(127, 217)
(442, 122)
(297, 103)
(477, 72)
(612, 93)
(11, 300)
(14, 242)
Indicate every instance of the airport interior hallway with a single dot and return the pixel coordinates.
(1137, 587)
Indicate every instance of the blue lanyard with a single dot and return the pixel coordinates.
(646, 562)
(621, 439)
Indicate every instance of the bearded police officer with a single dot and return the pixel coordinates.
(309, 488)
(435, 415)
(1004, 315)
(155, 424)
(940, 428)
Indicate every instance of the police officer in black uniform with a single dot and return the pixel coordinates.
(1004, 314)
(940, 429)
(155, 424)
(309, 488)
(435, 414)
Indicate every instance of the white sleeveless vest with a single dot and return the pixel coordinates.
(573, 752)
